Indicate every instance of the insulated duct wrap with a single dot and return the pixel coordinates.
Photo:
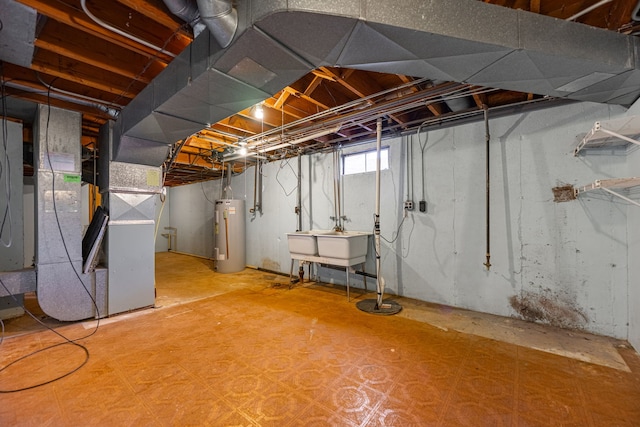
(17, 33)
(64, 292)
(278, 41)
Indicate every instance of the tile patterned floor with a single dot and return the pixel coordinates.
(263, 355)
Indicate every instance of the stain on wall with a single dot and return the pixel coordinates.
(270, 264)
(563, 193)
(549, 309)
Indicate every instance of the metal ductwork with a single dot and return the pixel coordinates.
(17, 33)
(187, 10)
(64, 291)
(278, 42)
(220, 18)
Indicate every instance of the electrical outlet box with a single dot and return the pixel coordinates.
(408, 205)
(423, 206)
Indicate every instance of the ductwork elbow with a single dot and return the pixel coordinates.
(187, 10)
(221, 19)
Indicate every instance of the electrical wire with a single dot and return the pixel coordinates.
(397, 232)
(67, 341)
(282, 164)
(204, 192)
(422, 148)
(5, 167)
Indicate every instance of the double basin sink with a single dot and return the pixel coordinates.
(340, 245)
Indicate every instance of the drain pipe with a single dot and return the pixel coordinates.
(336, 209)
(256, 206)
(299, 202)
(376, 217)
(488, 192)
(220, 18)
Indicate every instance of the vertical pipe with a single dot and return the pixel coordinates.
(299, 202)
(336, 211)
(260, 186)
(339, 187)
(227, 188)
(256, 205)
(376, 216)
(488, 192)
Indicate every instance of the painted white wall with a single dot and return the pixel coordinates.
(633, 236)
(163, 219)
(563, 262)
(633, 230)
(191, 211)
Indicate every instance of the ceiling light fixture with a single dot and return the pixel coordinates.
(258, 111)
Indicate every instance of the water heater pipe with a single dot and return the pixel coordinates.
(488, 193)
(376, 217)
(225, 215)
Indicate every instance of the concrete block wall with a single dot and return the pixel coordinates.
(559, 263)
(633, 230)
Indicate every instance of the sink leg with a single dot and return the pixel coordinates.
(364, 277)
(348, 296)
(291, 274)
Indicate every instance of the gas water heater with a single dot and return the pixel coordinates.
(229, 236)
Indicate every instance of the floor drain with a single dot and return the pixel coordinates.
(387, 308)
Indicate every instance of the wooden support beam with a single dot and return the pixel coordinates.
(156, 11)
(534, 6)
(437, 108)
(87, 75)
(74, 44)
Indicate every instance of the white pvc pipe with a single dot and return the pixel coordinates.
(587, 10)
(380, 280)
(103, 24)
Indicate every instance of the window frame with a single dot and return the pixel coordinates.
(364, 154)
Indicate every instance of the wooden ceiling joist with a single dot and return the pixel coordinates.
(84, 74)
(156, 11)
(76, 18)
(83, 47)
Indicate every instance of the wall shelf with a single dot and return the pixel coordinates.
(616, 134)
(611, 186)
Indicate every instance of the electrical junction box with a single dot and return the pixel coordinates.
(423, 206)
(408, 205)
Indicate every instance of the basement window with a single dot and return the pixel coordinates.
(365, 161)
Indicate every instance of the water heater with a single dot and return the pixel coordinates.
(229, 235)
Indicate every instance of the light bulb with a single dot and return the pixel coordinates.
(259, 112)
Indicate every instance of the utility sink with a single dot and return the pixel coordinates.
(304, 242)
(343, 244)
